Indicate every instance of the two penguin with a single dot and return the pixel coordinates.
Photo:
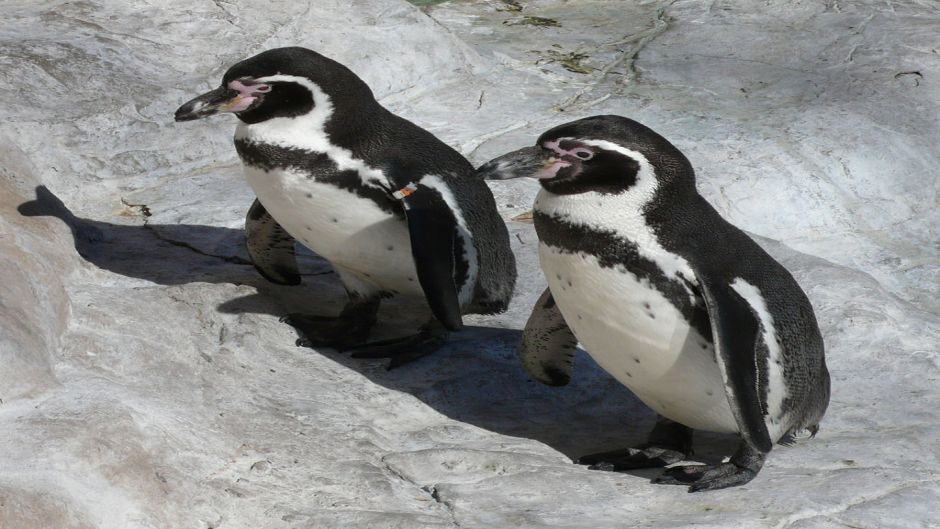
(673, 301)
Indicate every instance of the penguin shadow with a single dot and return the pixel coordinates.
(476, 378)
(172, 254)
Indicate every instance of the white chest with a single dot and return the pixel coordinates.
(369, 247)
(636, 335)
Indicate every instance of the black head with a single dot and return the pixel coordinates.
(604, 154)
(283, 82)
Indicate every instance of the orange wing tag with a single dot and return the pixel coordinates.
(405, 191)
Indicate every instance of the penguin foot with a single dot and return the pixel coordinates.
(743, 467)
(405, 349)
(646, 456)
(706, 477)
(325, 331)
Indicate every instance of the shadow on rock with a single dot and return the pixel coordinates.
(166, 254)
(475, 379)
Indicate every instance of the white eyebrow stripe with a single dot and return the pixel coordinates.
(555, 145)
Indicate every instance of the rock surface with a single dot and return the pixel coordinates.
(145, 381)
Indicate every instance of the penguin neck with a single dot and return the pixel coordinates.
(330, 127)
(624, 212)
(625, 216)
(329, 121)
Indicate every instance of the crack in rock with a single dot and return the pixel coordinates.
(640, 41)
(430, 490)
(227, 258)
(839, 509)
(436, 496)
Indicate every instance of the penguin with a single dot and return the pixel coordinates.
(668, 297)
(392, 208)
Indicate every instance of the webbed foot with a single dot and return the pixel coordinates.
(742, 468)
(405, 349)
(341, 332)
(668, 442)
(645, 456)
(706, 477)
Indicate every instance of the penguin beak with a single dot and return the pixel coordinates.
(534, 162)
(222, 99)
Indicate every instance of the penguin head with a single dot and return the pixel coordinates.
(604, 154)
(280, 83)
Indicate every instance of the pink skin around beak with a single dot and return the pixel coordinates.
(247, 94)
(551, 169)
(555, 164)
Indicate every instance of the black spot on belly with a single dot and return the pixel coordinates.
(390, 248)
(334, 219)
(628, 374)
(646, 305)
(411, 279)
(308, 228)
(309, 195)
(651, 315)
(709, 392)
(635, 359)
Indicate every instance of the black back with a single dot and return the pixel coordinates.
(687, 225)
(403, 150)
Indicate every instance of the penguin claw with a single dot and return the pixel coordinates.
(296, 318)
(402, 350)
(632, 458)
(325, 331)
(702, 478)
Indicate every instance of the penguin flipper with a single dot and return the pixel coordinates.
(735, 328)
(548, 345)
(433, 229)
(270, 247)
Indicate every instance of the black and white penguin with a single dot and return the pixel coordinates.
(391, 207)
(672, 300)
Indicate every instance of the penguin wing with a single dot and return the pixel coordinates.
(548, 345)
(270, 247)
(735, 327)
(433, 229)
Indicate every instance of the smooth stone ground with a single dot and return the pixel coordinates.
(146, 383)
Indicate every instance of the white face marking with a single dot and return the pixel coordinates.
(308, 132)
(556, 164)
(578, 152)
(776, 386)
(638, 336)
(622, 213)
(469, 251)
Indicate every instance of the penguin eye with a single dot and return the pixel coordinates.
(584, 154)
(262, 88)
